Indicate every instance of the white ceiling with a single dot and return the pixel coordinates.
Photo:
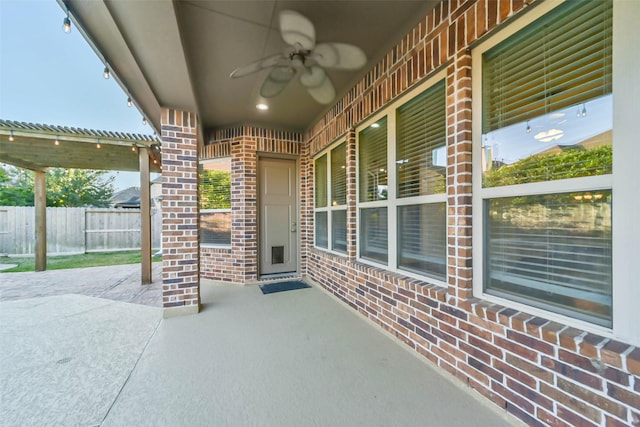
(180, 53)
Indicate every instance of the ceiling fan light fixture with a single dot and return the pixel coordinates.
(304, 58)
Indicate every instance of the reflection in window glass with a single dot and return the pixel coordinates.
(215, 202)
(321, 230)
(422, 239)
(569, 143)
(552, 251)
(374, 234)
(215, 184)
(339, 231)
(215, 228)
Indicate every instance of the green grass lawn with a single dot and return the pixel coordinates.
(75, 261)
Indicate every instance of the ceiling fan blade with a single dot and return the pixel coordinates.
(318, 84)
(339, 55)
(276, 81)
(258, 65)
(296, 30)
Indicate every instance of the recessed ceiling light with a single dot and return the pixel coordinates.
(262, 107)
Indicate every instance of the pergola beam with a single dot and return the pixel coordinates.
(145, 215)
(41, 220)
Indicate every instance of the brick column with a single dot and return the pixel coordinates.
(459, 188)
(351, 194)
(305, 227)
(244, 193)
(180, 243)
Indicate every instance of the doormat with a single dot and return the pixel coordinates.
(270, 288)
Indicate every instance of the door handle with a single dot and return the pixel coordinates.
(293, 227)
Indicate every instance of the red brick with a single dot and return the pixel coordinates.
(575, 374)
(550, 419)
(573, 418)
(633, 361)
(589, 396)
(571, 402)
(624, 396)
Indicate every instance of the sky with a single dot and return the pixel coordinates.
(49, 77)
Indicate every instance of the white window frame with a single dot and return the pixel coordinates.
(205, 211)
(392, 202)
(329, 209)
(623, 181)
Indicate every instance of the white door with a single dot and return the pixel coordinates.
(278, 216)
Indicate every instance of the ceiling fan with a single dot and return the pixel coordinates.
(303, 56)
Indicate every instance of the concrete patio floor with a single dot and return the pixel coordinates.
(296, 358)
(114, 282)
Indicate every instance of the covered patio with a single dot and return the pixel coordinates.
(287, 359)
(416, 184)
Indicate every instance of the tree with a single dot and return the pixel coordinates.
(79, 187)
(215, 189)
(65, 187)
(568, 163)
(16, 186)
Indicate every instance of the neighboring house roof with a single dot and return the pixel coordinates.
(133, 202)
(125, 194)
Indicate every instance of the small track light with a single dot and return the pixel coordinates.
(57, 141)
(106, 73)
(144, 121)
(66, 23)
(129, 102)
(134, 148)
(11, 138)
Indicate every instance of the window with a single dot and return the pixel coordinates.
(215, 202)
(331, 199)
(421, 170)
(402, 184)
(373, 188)
(544, 163)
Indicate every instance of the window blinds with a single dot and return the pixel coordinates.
(560, 60)
(339, 175)
(372, 158)
(421, 129)
(321, 181)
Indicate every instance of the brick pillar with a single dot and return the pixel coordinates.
(351, 194)
(180, 244)
(305, 227)
(244, 193)
(459, 188)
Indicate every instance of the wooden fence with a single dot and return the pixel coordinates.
(74, 230)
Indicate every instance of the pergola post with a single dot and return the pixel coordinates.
(145, 215)
(41, 220)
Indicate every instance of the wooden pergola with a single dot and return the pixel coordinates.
(38, 147)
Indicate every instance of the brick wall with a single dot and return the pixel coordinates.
(543, 372)
(239, 263)
(180, 283)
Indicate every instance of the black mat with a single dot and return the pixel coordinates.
(270, 288)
